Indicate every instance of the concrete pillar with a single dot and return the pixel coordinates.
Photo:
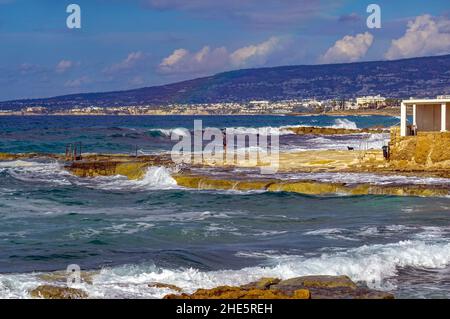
(443, 117)
(415, 115)
(403, 119)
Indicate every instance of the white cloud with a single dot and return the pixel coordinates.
(63, 66)
(76, 83)
(348, 49)
(209, 59)
(204, 61)
(254, 53)
(425, 35)
(174, 58)
(128, 63)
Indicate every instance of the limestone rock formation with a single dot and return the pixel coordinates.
(55, 292)
(307, 287)
(428, 151)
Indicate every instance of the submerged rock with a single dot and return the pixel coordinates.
(307, 287)
(164, 286)
(55, 292)
(302, 130)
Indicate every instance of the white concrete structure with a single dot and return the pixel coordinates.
(364, 100)
(429, 115)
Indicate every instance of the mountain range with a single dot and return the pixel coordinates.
(418, 77)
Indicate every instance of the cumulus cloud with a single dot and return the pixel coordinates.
(348, 49)
(210, 59)
(425, 35)
(128, 63)
(63, 66)
(175, 58)
(256, 53)
(204, 61)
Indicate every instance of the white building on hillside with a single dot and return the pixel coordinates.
(370, 100)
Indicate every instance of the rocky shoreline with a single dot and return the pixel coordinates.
(424, 156)
(306, 287)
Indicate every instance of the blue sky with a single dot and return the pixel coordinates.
(136, 43)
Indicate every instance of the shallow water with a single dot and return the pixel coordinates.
(137, 232)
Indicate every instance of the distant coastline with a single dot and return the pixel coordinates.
(359, 112)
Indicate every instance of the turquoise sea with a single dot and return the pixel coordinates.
(137, 232)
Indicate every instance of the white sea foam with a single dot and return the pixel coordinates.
(156, 177)
(169, 131)
(37, 172)
(344, 123)
(332, 233)
(376, 179)
(266, 130)
(360, 141)
(372, 264)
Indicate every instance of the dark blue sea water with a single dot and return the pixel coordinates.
(118, 134)
(137, 232)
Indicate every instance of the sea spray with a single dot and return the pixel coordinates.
(156, 177)
(344, 123)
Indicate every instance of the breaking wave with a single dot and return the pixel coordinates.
(265, 130)
(36, 172)
(168, 132)
(156, 177)
(344, 123)
(376, 265)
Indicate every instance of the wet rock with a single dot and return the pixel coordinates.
(330, 287)
(109, 165)
(55, 292)
(329, 130)
(7, 157)
(61, 277)
(309, 187)
(227, 292)
(307, 287)
(315, 282)
(164, 286)
(263, 283)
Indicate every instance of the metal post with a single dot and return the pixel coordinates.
(403, 119)
(443, 117)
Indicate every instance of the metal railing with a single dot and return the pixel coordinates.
(74, 152)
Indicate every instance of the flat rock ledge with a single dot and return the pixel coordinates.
(56, 292)
(307, 287)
